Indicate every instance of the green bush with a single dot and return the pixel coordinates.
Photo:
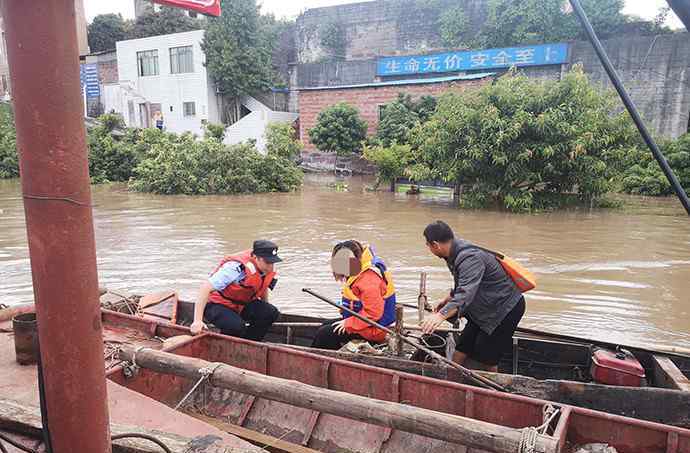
(525, 144)
(339, 129)
(184, 165)
(9, 162)
(644, 176)
(215, 131)
(282, 142)
(390, 161)
(397, 120)
(111, 158)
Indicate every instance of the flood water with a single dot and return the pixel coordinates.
(620, 275)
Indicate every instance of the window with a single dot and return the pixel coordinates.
(188, 109)
(148, 63)
(181, 60)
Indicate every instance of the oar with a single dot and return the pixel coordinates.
(477, 379)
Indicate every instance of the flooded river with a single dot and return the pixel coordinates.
(620, 275)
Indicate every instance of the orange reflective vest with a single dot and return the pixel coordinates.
(252, 287)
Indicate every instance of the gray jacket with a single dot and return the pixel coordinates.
(483, 291)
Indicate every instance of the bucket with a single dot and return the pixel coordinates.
(25, 330)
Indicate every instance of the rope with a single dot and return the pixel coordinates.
(15, 444)
(528, 440)
(142, 436)
(206, 373)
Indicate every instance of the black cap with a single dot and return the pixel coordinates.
(267, 250)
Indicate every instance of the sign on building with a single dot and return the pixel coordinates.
(88, 73)
(539, 55)
(210, 7)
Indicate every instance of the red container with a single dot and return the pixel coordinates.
(616, 368)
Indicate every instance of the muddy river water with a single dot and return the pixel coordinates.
(621, 275)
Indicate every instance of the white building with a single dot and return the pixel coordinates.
(163, 74)
(167, 74)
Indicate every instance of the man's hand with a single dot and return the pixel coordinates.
(339, 327)
(197, 327)
(432, 323)
(442, 304)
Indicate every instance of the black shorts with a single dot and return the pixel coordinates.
(485, 348)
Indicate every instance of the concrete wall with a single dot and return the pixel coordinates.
(367, 101)
(382, 27)
(169, 90)
(656, 72)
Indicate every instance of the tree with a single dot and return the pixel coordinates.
(105, 30)
(397, 120)
(526, 144)
(512, 22)
(391, 161)
(238, 47)
(281, 141)
(163, 22)
(453, 27)
(339, 129)
(9, 162)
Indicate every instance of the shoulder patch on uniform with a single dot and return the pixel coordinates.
(250, 267)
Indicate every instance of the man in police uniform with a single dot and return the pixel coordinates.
(235, 297)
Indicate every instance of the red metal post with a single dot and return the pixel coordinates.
(44, 67)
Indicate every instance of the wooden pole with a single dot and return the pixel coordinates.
(450, 428)
(474, 377)
(422, 300)
(399, 325)
(414, 327)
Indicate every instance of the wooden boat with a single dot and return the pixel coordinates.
(302, 427)
(540, 365)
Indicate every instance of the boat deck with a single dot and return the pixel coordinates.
(127, 408)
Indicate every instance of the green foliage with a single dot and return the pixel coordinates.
(238, 47)
(540, 21)
(332, 36)
(524, 144)
(9, 163)
(215, 131)
(399, 117)
(110, 159)
(183, 165)
(644, 176)
(105, 30)
(391, 161)
(339, 129)
(163, 22)
(453, 28)
(281, 141)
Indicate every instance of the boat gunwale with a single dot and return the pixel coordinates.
(575, 410)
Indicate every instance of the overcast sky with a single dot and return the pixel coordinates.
(291, 8)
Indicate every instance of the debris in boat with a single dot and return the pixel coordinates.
(594, 448)
(360, 347)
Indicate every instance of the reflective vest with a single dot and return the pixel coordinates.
(371, 262)
(252, 287)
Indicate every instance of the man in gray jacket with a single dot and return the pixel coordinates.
(483, 293)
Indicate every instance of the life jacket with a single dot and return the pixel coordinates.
(252, 287)
(374, 263)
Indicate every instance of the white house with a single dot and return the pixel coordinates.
(166, 74)
(163, 74)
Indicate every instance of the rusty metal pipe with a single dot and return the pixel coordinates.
(44, 68)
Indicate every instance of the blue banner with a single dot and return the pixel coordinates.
(88, 73)
(547, 54)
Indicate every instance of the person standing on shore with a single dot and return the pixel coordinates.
(483, 293)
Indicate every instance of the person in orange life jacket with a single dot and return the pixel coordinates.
(235, 296)
(483, 293)
(367, 289)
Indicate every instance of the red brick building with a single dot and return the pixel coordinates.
(368, 98)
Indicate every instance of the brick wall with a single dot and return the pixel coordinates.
(107, 72)
(367, 101)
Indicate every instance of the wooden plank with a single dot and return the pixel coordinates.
(561, 431)
(246, 407)
(672, 443)
(264, 441)
(416, 420)
(667, 374)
